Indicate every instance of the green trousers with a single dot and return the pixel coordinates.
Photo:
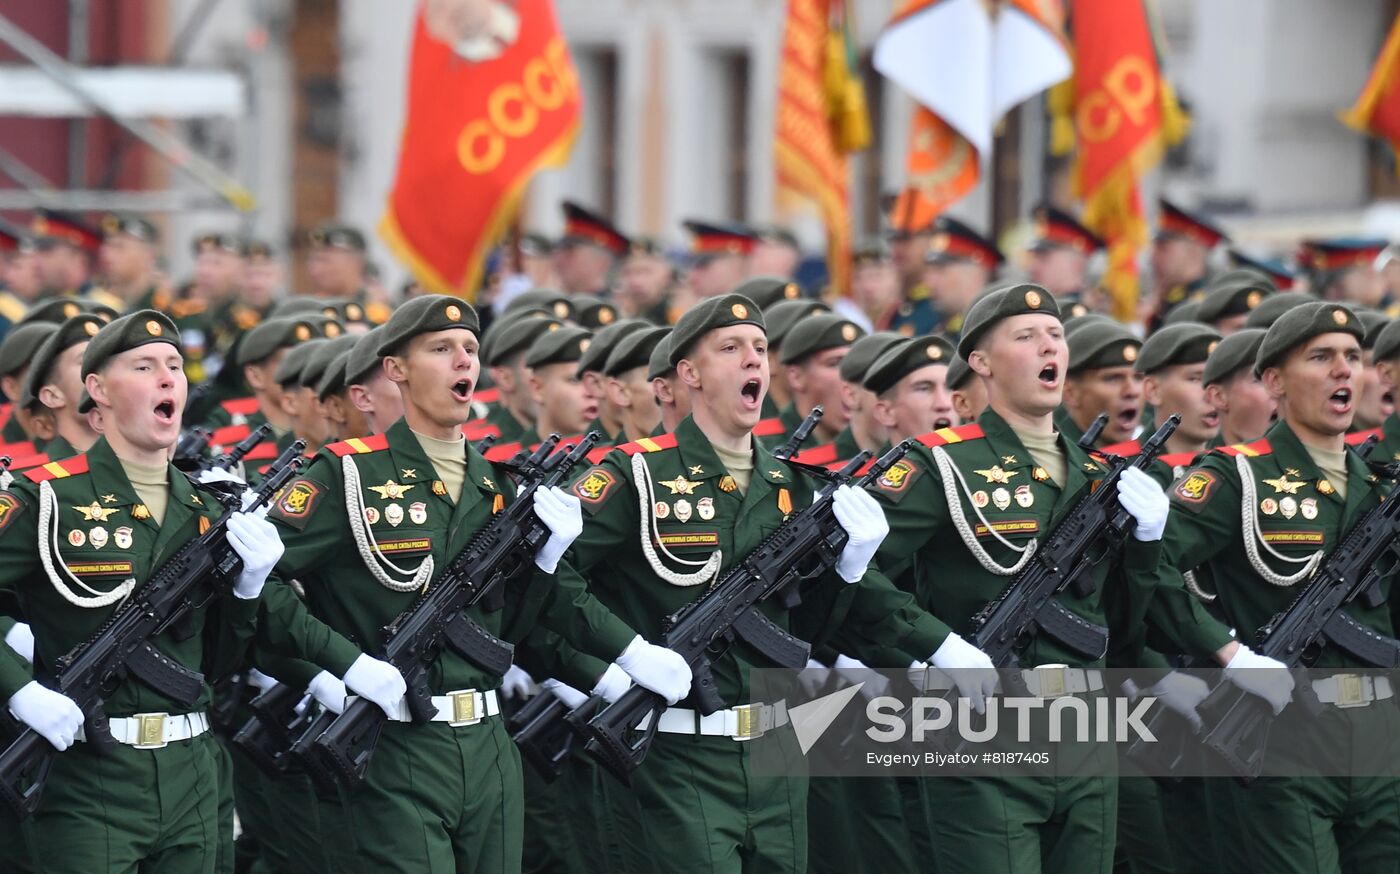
(152, 811)
(1144, 844)
(549, 835)
(856, 825)
(1197, 820)
(699, 808)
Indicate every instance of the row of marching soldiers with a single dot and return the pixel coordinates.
(408, 457)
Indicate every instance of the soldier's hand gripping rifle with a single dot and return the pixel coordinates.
(1236, 723)
(799, 435)
(807, 545)
(201, 571)
(502, 551)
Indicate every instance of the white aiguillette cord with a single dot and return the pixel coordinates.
(709, 568)
(1253, 536)
(369, 549)
(949, 473)
(48, 550)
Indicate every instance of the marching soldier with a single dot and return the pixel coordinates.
(1273, 269)
(969, 395)
(54, 383)
(563, 402)
(1343, 269)
(1179, 254)
(445, 795)
(298, 400)
(629, 389)
(874, 293)
(371, 391)
(592, 312)
(1299, 493)
(65, 246)
(1235, 390)
(260, 356)
(777, 254)
(19, 272)
(585, 255)
(343, 419)
(130, 263)
(503, 353)
(590, 373)
(812, 354)
(909, 382)
(719, 262)
(1172, 363)
(780, 318)
(1274, 306)
(1102, 378)
(1387, 360)
(1372, 404)
(16, 356)
(1013, 340)
(909, 246)
(864, 429)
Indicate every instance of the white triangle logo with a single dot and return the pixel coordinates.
(811, 720)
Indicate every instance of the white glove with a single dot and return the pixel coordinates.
(516, 683)
(261, 680)
(1181, 693)
(562, 514)
(256, 542)
(571, 697)
(52, 714)
(613, 683)
(1260, 675)
(1145, 502)
(864, 521)
(218, 475)
(21, 639)
(857, 671)
(327, 688)
(970, 669)
(656, 668)
(378, 681)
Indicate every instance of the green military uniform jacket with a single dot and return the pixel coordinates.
(1299, 514)
(916, 315)
(705, 514)
(406, 514)
(108, 542)
(926, 552)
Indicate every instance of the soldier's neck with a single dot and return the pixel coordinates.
(868, 435)
(779, 393)
(1023, 421)
(1316, 439)
(138, 456)
(428, 428)
(76, 432)
(273, 412)
(1177, 444)
(724, 438)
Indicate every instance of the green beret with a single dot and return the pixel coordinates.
(1102, 343)
(262, 341)
(1074, 321)
(79, 329)
(131, 331)
(632, 351)
(422, 315)
(555, 302)
(605, 340)
(768, 290)
(20, 344)
(1274, 306)
(1003, 303)
(330, 327)
(319, 362)
(298, 305)
(517, 336)
(338, 236)
(818, 334)
(1187, 343)
(959, 372)
(905, 357)
(364, 357)
(131, 225)
(781, 316)
(1372, 322)
(1233, 354)
(863, 353)
(1244, 274)
(60, 309)
(564, 346)
(288, 373)
(1184, 313)
(347, 312)
(1302, 323)
(503, 321)
(593, 312)
(1233, 297)
(660, 362)
(1072, 308)
(1386, 348)
(708, 315)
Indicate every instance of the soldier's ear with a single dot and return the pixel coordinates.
(1272, 377)
(96, 390)
(394, 369)
(689, 374)
(52, 397)
(977, 360)
(1152, 391)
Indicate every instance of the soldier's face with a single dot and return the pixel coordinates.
(21, 275)
(61, 267)
(145, 388)
(1116, 391)
(379, 399)
(1317, 385)
(1024, 358)
(773, 259)
(727, 374)
(335, 271)
(1176, 260)
(818, 381)
(970, 400)
(437, 374)
(908, 253)
(217, 271)
(919, 403)
(125, 258)
(66, 375)
(563, 400)
(1179, 389)
(1247, 404)
(1059, 269)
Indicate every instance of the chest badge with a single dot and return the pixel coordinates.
(1040, 474)
(76, 537)
(393, 514)
(697, 470)
(418, 512)
(705, 508)
(683, 510)
(1285, 486)
(140, 511)
(785, 502)
(408, 473)
(95, 512)
(122, 537)
(980, 499)
(439, 488)
(727, 483)
(372, 515)
(1268, 506)
(97, 537)
(1308, 507)
(679, 486)
(109, 499)
(1288, 507)
(995, 474)
(391, 491)
(1024, 497)
(1001, 498)
(661, 509)
(1325, 487)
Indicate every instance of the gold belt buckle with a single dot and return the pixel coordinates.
(748, 723)
(1054, 680)
(1351, 690)
(150, 731)
(464, 708)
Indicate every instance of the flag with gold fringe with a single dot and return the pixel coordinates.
(1119, 113)
(1377, 110)
(821, 118)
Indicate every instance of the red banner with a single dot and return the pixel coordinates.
(476, 131)
(1377, 110)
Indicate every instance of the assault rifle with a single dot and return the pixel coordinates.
(799, 435)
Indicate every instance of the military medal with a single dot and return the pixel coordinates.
(682, 510)
(1325, 487)
(371, 515)
(661, 510)
(439, 488)
(408, 473)
(140, 511)
(1283, 485)
(1002, 499)
(995, 474)
(1040, 474)
(705, 508)
(679, 486)
(1024, 496)
(980, 499)
(393, 514)
(784, 502)
(1308, 507)
(418, 512)
(1268, 506)
(391, 491)
(1288, 507)
(76, 538)
(727, 483)
(122, 538)
(98, 537)
(95, 512)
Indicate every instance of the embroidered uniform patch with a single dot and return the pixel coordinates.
(10, 507)
(414, 544)
(691, 538)
(895, 481)
(297, 501)
(100, 568)
(1194, 489)
(1302, 538)
(594, 486)
(1009, 526)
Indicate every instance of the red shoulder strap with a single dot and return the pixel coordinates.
(487, 395)
(769, 427)
(1127, 449)
(28, 461)
(652, 444)
(229, 435)
(1360, 437)
(241, 406)
(58, 469)
(1258, 447)
(502, 451)
(484, 429)
(817, 455)
(944, 436)
(357, 445)
(1177, 459)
